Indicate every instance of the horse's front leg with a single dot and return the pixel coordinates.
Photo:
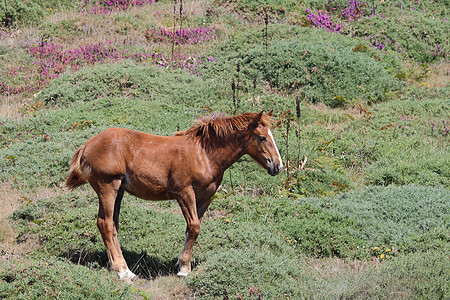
(186, 200)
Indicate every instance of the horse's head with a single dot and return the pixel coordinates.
(261, 146)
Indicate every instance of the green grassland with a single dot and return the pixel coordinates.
(360, 211)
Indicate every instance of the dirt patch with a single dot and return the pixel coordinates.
(438, 76)
(337, 119)
(10, 200)
(217, 214)
(335, 267)
(164, 287)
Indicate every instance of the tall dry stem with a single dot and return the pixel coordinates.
(181, 25)
(266, 44)
(174, 27)
(297, 102)
(288, 175)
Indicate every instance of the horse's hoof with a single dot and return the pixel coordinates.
(127, 276)
(182, 274)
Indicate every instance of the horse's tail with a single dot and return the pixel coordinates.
(79, 171)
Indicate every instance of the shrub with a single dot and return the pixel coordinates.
(41, 161)
(298, 58)
(28, 12)
(240, 273)
(395, 215)
(130, 80)
(429, 170)
(48, 60)
(389, 145)
(328, 73)
(18, 11)
(416, 275)
(56, 278)
(310, 230)
(424, 42)
(322, 19)
(234, 233)
(420, 275)
(317, 233)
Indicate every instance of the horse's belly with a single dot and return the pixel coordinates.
(148, 190)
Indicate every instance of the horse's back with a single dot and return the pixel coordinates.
(113, 150)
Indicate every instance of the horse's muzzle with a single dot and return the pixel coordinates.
(274, 168)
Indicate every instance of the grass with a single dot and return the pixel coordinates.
(55, 278)
(398, 226)
(361, 211)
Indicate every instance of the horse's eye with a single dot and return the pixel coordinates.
(262, 138)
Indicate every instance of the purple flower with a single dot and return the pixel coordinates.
(322, 19)
(108, 6)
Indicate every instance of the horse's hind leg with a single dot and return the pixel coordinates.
(110, 196)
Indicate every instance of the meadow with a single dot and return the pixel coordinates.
(359, 92)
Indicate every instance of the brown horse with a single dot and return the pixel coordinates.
(188, 167)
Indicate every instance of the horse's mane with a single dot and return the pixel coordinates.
(214, 133)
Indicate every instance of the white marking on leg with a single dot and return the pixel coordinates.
(278, 153)
(182, 274)
(126, 275)
(183, 269)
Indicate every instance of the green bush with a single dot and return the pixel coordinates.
(318, 233)
(419, 275)
(28, 11)
(324, 65)
(56, 278)
(399, 216)
(266, 221)
(132, 81)
(38, 162)
(417, 42)
(326, 72)
(429, 170)
(391, 20)
(237, 234)
(245, 272)
(20, 11)
(416, 275)
(389, 145)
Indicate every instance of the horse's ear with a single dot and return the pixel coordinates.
(270, 113)
(254, 122)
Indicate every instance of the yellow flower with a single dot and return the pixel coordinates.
(382, 255)
(387, 250)
(228, 221)
(376, 248)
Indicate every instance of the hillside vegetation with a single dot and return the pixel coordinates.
(360, 97)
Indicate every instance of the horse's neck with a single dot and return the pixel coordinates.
(224, 157)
